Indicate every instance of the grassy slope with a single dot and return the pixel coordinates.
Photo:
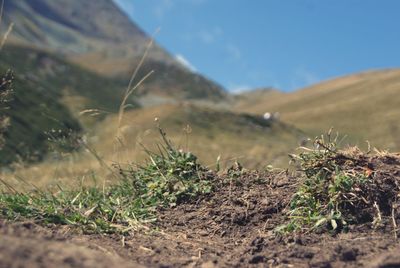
(249, 139)
(43, 84)
(365, 106)
(56, 74)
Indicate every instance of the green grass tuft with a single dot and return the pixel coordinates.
(338, 189)
(170, 177)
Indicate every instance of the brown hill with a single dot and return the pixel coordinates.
(365, 106)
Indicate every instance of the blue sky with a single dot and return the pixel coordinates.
(286, 44)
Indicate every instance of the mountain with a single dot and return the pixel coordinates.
(364, 106)
(75, 27)
(71, 55)
(97, 35)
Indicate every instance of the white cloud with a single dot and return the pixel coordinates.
(182, 60)
(234, 52)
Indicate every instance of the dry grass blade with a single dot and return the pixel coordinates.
(93, 152)
(9, 30)
(5, 37)
(149, 46)
(93, 112)
(130, 89)
(394, 223)
(9, 186)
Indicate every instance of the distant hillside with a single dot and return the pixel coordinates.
(249, 139)
(256, 97)
(97, 35)
(365, 106)
(49, 94)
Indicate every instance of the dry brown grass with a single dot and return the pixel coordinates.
(206, 137)
(365, 106)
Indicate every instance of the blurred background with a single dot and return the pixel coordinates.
(227, 80)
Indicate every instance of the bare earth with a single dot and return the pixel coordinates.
(233, 227)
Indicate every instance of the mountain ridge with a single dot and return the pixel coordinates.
(99, 36)
(62, 24)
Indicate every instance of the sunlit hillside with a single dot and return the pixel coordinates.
(364, 106)
(206, 132)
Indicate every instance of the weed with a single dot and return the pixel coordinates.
(170, 177)
(339, 188)
(235, 173)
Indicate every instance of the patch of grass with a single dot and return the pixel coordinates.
(339, 189)
(170, 177)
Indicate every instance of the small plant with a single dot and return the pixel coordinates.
(338, 189)
(169, 177)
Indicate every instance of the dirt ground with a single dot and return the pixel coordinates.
(233, 227)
